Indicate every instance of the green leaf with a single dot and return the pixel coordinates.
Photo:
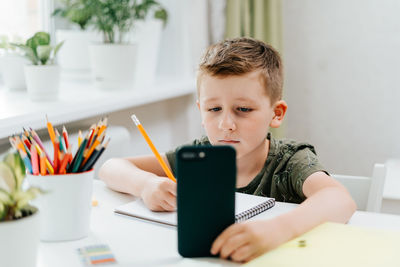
(162, 15)
(42, 38)
(5, 197)
(8, 181)
(43, 52)
(58, 46)
(22, 198)
(28, 53)
(17, 165)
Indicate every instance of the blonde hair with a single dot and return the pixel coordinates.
(240, 56)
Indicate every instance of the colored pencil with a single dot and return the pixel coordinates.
(65, 161)
(43, 170)
(56, 155)
(76, 162)
(65, 135)
(92, 131)
(93, 147)
(153, 148)
(60, 142)
(79, 138)
(34, 160)
(35, 136)
(26, 160)
(95, 156)
(50, 129)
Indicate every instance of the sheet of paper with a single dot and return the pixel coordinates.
(332, 244)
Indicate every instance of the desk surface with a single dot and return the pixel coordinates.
(141, 243)
(80, 100)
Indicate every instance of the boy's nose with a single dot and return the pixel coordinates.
(226, 123)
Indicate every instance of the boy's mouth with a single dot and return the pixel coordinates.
(228, 141)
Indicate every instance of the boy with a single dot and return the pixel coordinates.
(239, 87)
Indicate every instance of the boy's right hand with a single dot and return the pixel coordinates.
(159, 194)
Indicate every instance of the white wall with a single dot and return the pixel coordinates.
(342, 64)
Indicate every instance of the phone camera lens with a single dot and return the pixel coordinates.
(202, 154)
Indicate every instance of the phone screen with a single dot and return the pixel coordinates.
(206, 177)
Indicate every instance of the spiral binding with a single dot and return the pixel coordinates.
(247, 214)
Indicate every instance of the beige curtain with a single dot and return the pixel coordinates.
(260, 19)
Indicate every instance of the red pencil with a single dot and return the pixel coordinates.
(56, 152)
(65, 135)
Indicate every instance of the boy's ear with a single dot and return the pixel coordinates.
(198, 104)
(279, 108)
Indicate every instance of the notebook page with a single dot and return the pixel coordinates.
(137, 209)
(244, 202)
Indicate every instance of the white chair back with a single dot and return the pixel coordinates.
(367, 192)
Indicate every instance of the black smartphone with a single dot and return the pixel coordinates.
(206, 177)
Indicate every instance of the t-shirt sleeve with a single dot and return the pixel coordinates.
(300, 166)
(171, 157)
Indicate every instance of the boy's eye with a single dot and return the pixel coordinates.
(242, 109)
(214, 109)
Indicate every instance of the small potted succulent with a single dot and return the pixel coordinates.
(19, 221)
(74, 57)
(12, 64)
(43, 74)
(114, 61)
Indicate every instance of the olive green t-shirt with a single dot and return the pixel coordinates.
(288, 165)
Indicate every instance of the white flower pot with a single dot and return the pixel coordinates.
(13, 71)
(147, 34)
(19, 241)
(42, 82)
(74, 55)
(113, 65)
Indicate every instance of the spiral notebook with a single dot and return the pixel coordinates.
(246, 206)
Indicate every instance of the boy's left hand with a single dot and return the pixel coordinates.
(245, 241)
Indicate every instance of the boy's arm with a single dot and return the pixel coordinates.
(142, 177)
(327, 200)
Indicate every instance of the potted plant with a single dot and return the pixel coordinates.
(12, 64)
(114, 61)
(43, 75)
(74, 57)
(19, 221)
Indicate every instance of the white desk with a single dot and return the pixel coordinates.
(141, 243)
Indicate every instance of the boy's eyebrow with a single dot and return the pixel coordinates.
(239, 98)
(245, 99)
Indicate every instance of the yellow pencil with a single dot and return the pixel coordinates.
(79, 138)
(153, 148)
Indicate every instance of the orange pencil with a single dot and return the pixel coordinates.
(103, 127)
(42, 164)
(153, 148)
(65, 161)
(50, 130)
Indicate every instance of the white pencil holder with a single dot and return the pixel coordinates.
(65, 208)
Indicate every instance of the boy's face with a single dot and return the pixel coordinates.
(236, 111)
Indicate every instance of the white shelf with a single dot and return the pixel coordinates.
(80, 100)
